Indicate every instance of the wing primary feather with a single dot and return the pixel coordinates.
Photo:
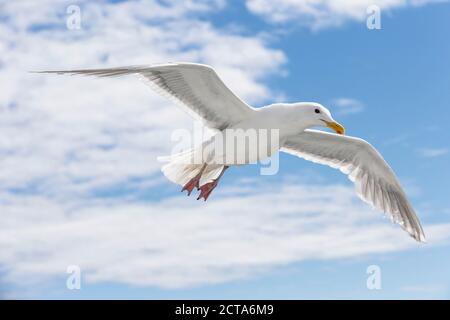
(374, 180)
(196, 87)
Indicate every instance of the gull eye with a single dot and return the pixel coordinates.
(317, 111)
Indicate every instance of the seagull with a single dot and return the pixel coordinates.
(198, 90)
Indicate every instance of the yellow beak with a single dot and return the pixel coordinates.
(338, 128)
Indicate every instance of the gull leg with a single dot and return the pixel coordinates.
(194, 182)
(207, 188)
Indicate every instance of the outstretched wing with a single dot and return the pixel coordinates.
(374, 180)
(196, 87)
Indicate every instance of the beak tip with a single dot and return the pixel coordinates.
(338, 128)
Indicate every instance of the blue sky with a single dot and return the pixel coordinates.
(80, 183)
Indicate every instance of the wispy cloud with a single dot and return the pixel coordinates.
(425, 289)
(433, 152)
(75, 148)
(77, 154)
(179, 242)
(323, 13)
(345, 106)
(399, 140)
(83, 134)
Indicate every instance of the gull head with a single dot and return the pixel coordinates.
(319, 116)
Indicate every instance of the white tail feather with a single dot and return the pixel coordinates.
(180, 171)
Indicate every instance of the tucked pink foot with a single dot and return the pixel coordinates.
(193, 183)
(206, 189)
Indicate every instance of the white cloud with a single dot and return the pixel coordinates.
(346, 106)
(424, 289)
(319, 14)
(433, 152)
(80, 134)
(64, 140)
(180, 242)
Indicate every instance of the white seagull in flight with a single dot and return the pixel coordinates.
(202, 93)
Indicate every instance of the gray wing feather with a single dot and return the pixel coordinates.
(374, 180)
(196, 87)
